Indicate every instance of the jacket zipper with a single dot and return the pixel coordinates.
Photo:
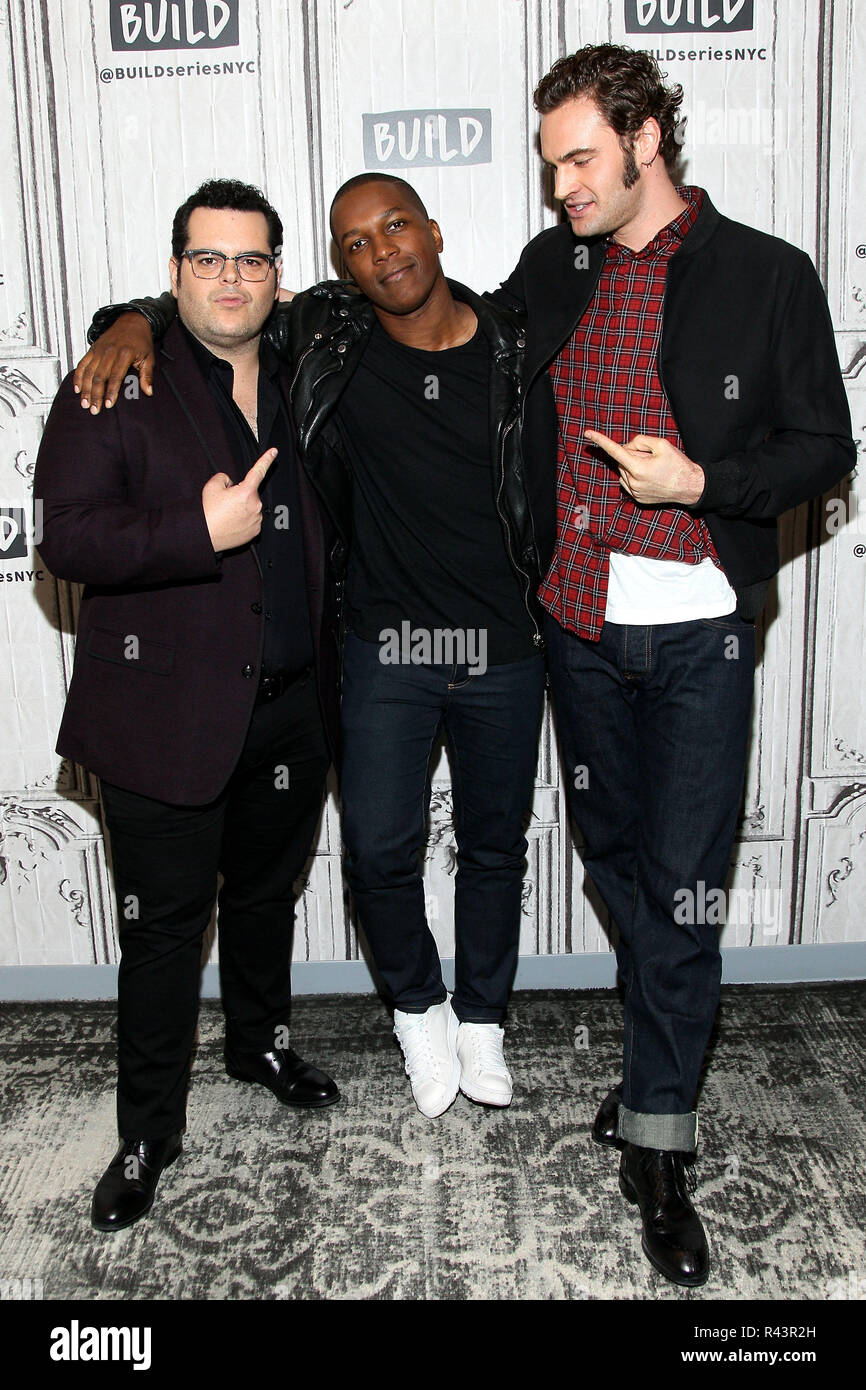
(538, 640)
(304, 355)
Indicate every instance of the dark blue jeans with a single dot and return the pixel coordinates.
(653, 726)
(392, 716)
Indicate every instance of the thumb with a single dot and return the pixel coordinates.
(219, 479)
(257, 473)
(646, 444)
(145, 373)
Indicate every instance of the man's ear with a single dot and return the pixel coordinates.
(174, 272)
(647, 141)
(437, 236)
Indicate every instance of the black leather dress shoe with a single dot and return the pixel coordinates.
(126, 1189)
(604, 1125)
(292, 1080)
(673, 1238)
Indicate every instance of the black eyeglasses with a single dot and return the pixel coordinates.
(250, 265)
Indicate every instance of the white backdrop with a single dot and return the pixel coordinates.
(111, 113)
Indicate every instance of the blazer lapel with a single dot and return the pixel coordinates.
(183, 378)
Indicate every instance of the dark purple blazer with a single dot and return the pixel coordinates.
(170, 637)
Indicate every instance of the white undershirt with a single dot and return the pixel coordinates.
(645, 591)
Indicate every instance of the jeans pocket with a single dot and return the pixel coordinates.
(729, 621)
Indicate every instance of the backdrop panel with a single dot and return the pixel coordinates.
(112, 112)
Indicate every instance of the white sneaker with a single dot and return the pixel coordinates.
(429, 1041)
(483, 1074)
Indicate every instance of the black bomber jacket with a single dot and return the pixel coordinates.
(747, 360)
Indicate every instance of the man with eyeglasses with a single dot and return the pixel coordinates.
(405, 392)
(204, 691)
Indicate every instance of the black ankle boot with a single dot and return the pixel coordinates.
(673, 1237)
(604, 1125)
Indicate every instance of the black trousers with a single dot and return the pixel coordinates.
(257, 834)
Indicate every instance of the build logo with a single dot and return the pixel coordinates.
(418, 139)
(153, 24)
(19, 533)
(13, 533)
(688, 16)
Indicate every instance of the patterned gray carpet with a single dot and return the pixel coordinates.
(369, 1200)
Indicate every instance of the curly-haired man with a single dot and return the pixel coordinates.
(697, 397)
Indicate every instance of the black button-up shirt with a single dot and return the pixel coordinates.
(288, 643)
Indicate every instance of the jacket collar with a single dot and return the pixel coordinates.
(705, 226)
(572, 267)
(505, 330)
(186, 380)
(210, 361)
(493, 319)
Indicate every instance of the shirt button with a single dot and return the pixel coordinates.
(341, 347)
(255, 608)
(248, 672)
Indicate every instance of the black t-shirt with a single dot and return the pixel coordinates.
(428, 545)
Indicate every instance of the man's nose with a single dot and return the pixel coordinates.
(564, 183)
(229, 271)
(382, 248)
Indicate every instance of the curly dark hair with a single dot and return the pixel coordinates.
(626, 86)
(220, 194)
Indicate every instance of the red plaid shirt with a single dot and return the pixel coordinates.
(606, 378)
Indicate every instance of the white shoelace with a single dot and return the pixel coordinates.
(487, 1048)
(418, 1050)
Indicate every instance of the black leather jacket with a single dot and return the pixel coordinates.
(322, 333)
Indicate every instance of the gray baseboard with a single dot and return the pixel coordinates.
(741, 965)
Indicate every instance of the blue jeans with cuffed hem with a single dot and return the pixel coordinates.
(653, 726)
